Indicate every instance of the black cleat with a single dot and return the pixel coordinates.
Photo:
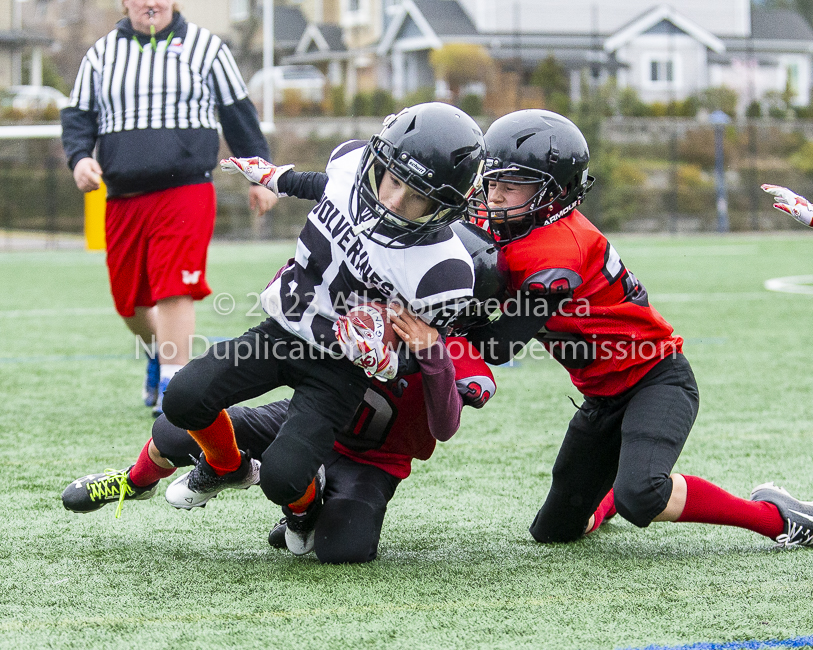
(91, 492)
(798, 515)
(276, 538)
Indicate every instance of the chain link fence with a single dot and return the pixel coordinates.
(653, 175)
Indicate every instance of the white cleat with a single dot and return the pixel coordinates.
(195, 488)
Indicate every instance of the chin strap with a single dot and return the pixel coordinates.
(364, 225)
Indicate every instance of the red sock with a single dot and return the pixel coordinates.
(708, 504)
(145, 472)
(605, 511)
(218, 444)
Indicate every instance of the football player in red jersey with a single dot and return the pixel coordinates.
(396, 422)
(574, 294)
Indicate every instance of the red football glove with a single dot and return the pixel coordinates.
(360, 344)
(257, 170)
(795, 205)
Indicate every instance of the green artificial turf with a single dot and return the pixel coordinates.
(457, 567)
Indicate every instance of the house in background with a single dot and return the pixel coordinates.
(63, 30)
(666, 55)
(19, 47)
(414, 29)
(664, 50)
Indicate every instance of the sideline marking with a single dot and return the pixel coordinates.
(798, 642)
(791, 284)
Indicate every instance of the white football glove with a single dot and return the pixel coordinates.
(360, 344)
(795, 205)
(257, 170)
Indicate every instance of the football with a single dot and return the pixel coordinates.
(374, 316)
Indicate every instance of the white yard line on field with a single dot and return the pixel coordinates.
(791, 284)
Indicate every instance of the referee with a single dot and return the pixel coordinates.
(147, 99)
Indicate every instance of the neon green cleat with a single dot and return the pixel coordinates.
(91, 492)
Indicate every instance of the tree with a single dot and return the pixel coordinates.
(551, 76)
(460, 64)
(720, 98)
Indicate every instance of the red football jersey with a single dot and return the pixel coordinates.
(608, 336)
(391, 427)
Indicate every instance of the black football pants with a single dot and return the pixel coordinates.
(356, 495)
(630, 443)
(327, 392)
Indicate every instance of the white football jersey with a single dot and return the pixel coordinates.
(335, 270)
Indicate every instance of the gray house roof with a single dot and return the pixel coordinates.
(289, 25)
(333, 37)
(779, 24)
(446, 17)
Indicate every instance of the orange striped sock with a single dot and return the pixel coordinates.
(218, 444)
(301, 504)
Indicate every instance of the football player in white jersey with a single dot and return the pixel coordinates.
(380, 231)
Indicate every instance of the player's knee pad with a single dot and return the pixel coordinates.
(286, 471)
(182, 406)
(347, 532)
(640, 499)
(173, 443)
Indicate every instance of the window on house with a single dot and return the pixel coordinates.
(792, 79)
(353, 5)
(661, 71)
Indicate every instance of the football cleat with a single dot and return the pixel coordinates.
(299, 533)
(276, 538)
(91, 492)
(151, 380)
(798, 515)
(195, 488)
(158, 407)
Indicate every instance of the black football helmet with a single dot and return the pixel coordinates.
(435, 149)
(535, 147)
(490, 277)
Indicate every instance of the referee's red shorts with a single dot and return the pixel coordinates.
(157, 244)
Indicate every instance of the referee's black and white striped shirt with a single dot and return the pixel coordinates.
(153, 103)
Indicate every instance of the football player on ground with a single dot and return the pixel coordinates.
(397, 421)
(380, 231)
(796, 206)
(574, 294)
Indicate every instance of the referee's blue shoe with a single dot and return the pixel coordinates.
(153, 377)
(158, 409)
(798, 515)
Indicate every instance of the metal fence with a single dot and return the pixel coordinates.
(653, 175)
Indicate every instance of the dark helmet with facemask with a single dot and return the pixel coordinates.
(435, 149)
(540, 148)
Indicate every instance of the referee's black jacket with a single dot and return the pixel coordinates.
(152, 104)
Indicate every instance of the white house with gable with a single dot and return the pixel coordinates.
(665, 50)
